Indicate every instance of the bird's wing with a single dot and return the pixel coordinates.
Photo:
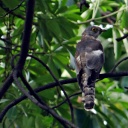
(79, 61)
(89, 64)
(81, 69)
(95, 60)
(92, 60)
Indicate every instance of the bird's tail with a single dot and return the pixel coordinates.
(88, 92)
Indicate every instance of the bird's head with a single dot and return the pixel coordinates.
(93, 31)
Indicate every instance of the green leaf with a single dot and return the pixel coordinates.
(3, 100)
(73, 16)
(119, 14)
(54, 29)
(41, 41)
(12, 113)
(61, 10)
(11, 4)
(109, 59)
(87, 14)
(117, 45)
(124, 20)
(48, 95)
(45, 122)
(63, 66)
(71, 40)
(28, 122)
(72, 61)
(124, 82)
(53, 67)
(117, 110)
(67, 31)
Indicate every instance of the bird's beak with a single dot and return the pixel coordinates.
(103, 30)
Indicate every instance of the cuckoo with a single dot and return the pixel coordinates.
(89, 59)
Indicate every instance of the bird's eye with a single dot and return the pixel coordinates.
(94, 30)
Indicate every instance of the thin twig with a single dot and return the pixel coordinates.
(12, 9)
(75, 94)
(121, 38)
(31, 91)
(6, 40)
(112, 70)
(114, 74)
(14, 14)
(8, 48)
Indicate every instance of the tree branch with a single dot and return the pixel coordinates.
(6, 85)
(121, 38)
(27, 33)
(10, 11)
(31, 91)
(75, 94)
(24, 46)
(114, 74)
(63, 121)
(118, 63)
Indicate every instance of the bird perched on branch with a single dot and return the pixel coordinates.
(89, 59)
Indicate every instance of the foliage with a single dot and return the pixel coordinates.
(57, 27)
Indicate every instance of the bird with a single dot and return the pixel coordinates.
(89, 59)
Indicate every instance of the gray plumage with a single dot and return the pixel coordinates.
(89, 58)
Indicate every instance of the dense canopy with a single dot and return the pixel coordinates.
(38, 86)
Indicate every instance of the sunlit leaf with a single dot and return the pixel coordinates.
(117, 46)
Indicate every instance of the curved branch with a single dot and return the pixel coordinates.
(9, 11)
(31, 91)
(68, 100)
(121, 38)
(118, 63)
(39, 89)
(75, 94)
